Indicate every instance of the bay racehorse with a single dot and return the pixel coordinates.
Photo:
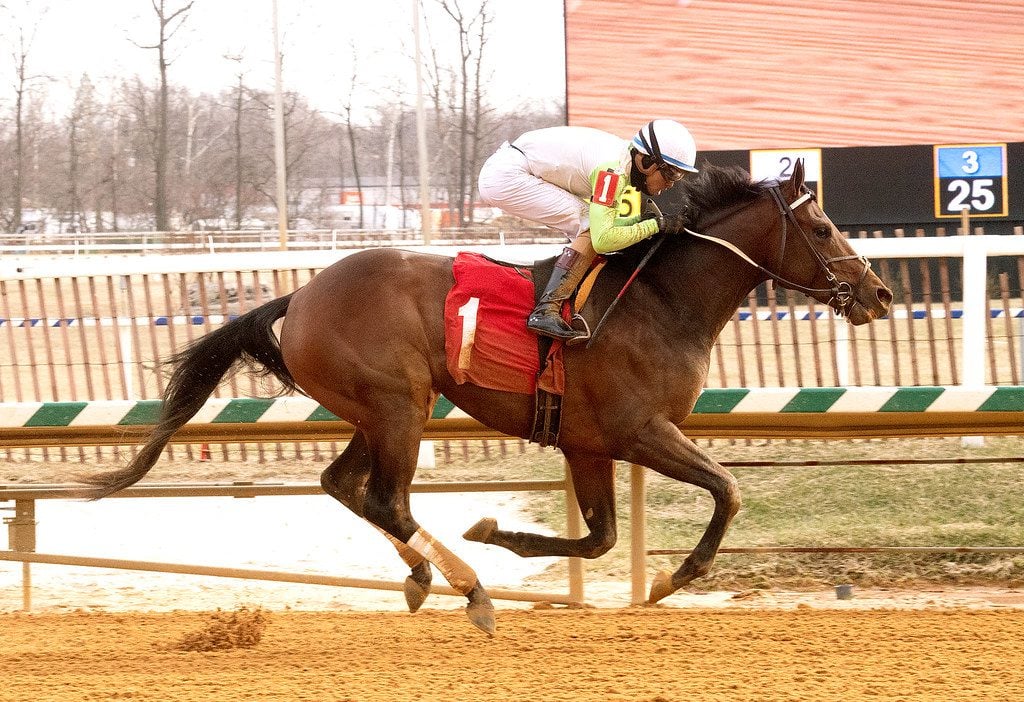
(365, 339)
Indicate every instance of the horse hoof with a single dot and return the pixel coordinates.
(482, 617)
(482, 530)
(415, 594)
(480, 610)
(661, 588)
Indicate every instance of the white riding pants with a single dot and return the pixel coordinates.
(506, 182)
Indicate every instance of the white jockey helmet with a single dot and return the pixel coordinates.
(667, 141)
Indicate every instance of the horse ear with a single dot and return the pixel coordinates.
(797, 179)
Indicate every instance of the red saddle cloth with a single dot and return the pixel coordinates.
(486, 340)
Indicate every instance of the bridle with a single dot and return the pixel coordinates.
(842, 293)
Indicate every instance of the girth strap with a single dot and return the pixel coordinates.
(547, 418)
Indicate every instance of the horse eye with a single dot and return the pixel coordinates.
(823, 232)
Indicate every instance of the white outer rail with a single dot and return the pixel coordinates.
(974, 250)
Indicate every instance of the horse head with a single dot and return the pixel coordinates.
(778, 227)
(815, 258)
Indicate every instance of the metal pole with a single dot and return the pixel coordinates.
(279, 151)
(965, 221)
(21, 536)
(842, 328)
(574, 530)
(124, 338)
(638, 534)
(268, 575)
(421, 131)
(1020, 341)
(975, 296)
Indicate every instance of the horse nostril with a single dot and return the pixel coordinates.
(884, 296)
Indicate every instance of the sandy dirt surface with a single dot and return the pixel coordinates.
(103, 635)
(650, 654)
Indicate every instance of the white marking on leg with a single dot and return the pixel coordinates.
(455, 570)
(411, 557)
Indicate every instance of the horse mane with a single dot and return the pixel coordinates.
(716, 188)
(712, 190)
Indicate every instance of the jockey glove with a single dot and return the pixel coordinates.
(667, 224)
(671, 224)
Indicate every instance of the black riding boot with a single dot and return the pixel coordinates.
(546, 318)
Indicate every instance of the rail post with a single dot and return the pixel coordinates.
(574, 530)
(21, 537)
(638, 534)
(975, 301)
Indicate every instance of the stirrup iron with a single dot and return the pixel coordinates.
(586, 329)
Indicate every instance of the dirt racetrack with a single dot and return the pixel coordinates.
(649, 654)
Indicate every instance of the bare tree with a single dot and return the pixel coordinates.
(207, 156)
(106, 189)
(350, 131)
(304, 131)
(402, 161)
(480, 109)
(21, 39)
(468, 97)
(169, 22)
(115, 162)
(238, 106)
(20, 56)
(81, 147)
(140, 142)
(339, 139)
(441, 149)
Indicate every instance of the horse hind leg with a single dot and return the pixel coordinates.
(386, 505)
(593, 482)
(345, 480)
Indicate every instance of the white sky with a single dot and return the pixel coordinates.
(526, 50)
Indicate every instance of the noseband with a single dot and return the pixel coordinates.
(841, 293)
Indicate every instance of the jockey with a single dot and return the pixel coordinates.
(582, 182)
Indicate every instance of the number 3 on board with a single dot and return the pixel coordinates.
(971, 177)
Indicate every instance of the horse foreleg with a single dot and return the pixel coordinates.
(664, 449)
(386, 504)
(345, 480)
(593, 482)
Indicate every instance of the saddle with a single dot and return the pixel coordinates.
(487, 342)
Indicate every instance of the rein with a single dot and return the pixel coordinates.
(636, 271)
(842, 293)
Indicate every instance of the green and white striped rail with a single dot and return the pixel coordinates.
(132, 413)
(861, 412)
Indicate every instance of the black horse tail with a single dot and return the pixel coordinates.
(247, 341)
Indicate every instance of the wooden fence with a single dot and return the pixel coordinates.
(765, 412)
(93, 328)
